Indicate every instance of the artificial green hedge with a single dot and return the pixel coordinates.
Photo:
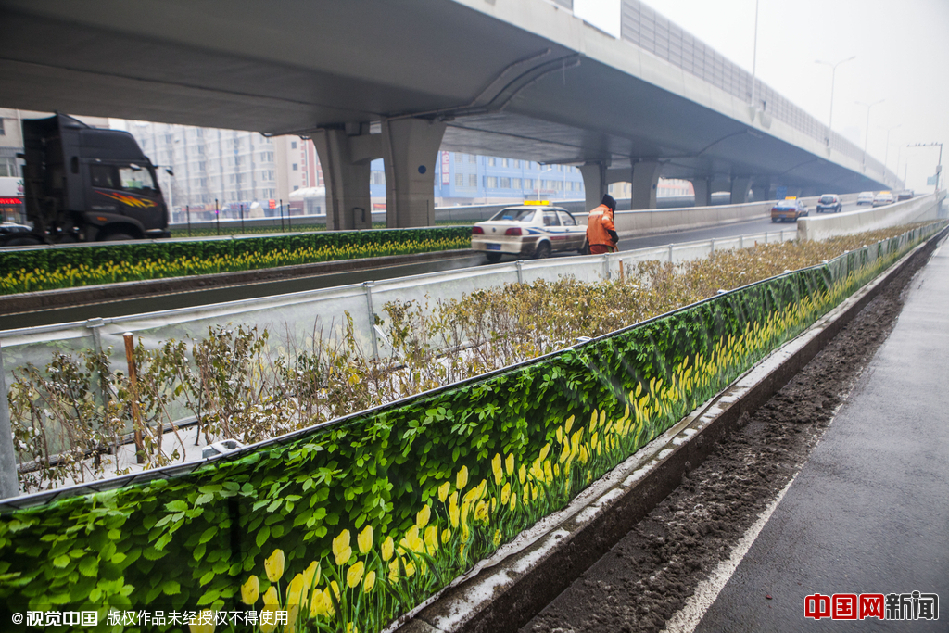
(191, 541)
(50, 259)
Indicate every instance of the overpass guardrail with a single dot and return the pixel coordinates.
(646, 28)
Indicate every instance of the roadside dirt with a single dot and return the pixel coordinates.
(649, 575)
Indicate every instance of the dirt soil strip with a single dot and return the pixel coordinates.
(649, 575)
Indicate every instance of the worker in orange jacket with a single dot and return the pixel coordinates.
(601, 232)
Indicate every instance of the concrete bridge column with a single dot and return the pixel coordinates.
(644, 181)
(411, 151)
(762, 190)
(741, 186)
(346, 178)
(594, 183)
(703, 191)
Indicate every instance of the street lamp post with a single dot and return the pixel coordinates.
(938, 164)
(833, 76)
(866, 133)
(539, 172)
(886, 155)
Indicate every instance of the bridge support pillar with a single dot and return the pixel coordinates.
(410, 152)
(703, 191)
(741, 186)
(644, 180)
(594, 183)
(346, 177)
(761, 190)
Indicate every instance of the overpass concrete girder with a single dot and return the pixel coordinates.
(372, 60)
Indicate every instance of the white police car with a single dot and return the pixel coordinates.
(534, 229)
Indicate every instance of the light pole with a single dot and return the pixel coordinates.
(899, 152)
(539, 172)
(886, 155)
(938, 164)
(866, 133)
(833, 76)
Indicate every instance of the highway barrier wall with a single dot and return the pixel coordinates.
(919, 209)
(658, 221)
(361, 519)
(466, 213)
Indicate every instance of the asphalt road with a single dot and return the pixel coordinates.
(869, 511)
(248, 291)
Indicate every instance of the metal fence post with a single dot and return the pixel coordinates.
(670, 253)
(606, 266)
(712, 251)
(741, 241)
(372, 319)
(9, 481)
(93, 326)
(520, 271)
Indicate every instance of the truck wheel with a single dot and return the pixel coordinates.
(23, 241)
(117, 237)
(494, 257)
(543, 251)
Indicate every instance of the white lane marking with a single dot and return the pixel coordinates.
(689, 616)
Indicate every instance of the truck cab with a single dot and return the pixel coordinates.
(88, 184)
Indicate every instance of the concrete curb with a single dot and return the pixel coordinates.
(83, 295)
(505, 591)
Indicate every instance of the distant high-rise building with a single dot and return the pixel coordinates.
(209, 167)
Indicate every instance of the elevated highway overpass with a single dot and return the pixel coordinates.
(399, 80)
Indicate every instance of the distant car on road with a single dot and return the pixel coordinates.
(906, 194)
(789, 209)
(883, 198)
(533, 230)
(865, 198)
(829, 203)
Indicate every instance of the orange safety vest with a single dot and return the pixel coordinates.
(599, 222)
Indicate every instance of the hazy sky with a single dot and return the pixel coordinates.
(900, 50)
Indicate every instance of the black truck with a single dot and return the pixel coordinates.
(84, 184)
